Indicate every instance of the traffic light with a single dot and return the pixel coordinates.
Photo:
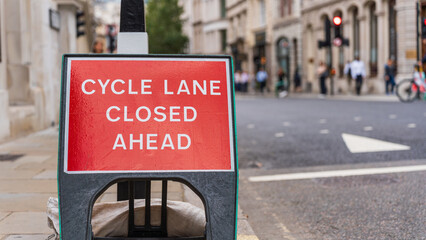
(327, 36)
(337, 22)
(80, 23)
(423, 27)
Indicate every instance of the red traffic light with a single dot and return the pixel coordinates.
(424, 21)
(337, 20)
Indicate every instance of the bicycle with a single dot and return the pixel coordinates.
(409, 90)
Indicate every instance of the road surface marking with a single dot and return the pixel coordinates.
(338, 173)
(250, 126)
(283, 228)
(392, 116)
(286, 124)
(357, 119)
(368, 128)
(246, 237)
(323, 121)
(324, 131)
(359, 144)
(411, 125)
(279, 135)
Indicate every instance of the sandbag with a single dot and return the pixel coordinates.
(110, 219)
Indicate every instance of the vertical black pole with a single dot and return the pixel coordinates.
(418, 22)
(132, 19)
(331, 70)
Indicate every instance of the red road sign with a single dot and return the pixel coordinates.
(148, 114)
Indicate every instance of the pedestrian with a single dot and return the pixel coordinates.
(281, 86)
(322, 73)
(419, 78)
(261, 77)
(297, 81)
(98, 46)
(389, 76)
(358, 74)
(347, 72)
(237, 77)
(245, 78)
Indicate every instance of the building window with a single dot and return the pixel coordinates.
(223, 8)
(393, 41)
(355, 30)
(283, 56)
(262, 9)
(223, 40)
(373, 40)
(285, 7)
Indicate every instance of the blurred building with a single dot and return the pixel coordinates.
(34, 34)
(236, 12)
(284, 34)
(107, 18)
(377, 30)
(187, 21)
(209, 26)
(287, 38)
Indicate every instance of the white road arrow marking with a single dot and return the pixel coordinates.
(359, 144)
(338, 173)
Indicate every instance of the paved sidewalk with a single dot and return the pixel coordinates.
(27, 182)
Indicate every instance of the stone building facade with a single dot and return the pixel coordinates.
(377, 30)
(209, 26)
(285, 33)
(34, 34)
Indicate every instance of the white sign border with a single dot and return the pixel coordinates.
(188, 59)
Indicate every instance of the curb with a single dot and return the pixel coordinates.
(338, 97)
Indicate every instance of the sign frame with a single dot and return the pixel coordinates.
(176, 58)
(218, 190)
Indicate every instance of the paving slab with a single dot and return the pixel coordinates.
(16, 174)
(28, 186)
(23, 202)
(47, 174)
(3, 215)
(25, 223)
(48, 165)
(28, 237)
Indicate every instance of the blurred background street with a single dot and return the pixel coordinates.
(307, 136)
(326, 149)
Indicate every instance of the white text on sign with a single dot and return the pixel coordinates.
(151, 141)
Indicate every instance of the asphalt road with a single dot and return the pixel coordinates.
(284, 136)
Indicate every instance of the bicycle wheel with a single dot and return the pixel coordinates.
(407, 90)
